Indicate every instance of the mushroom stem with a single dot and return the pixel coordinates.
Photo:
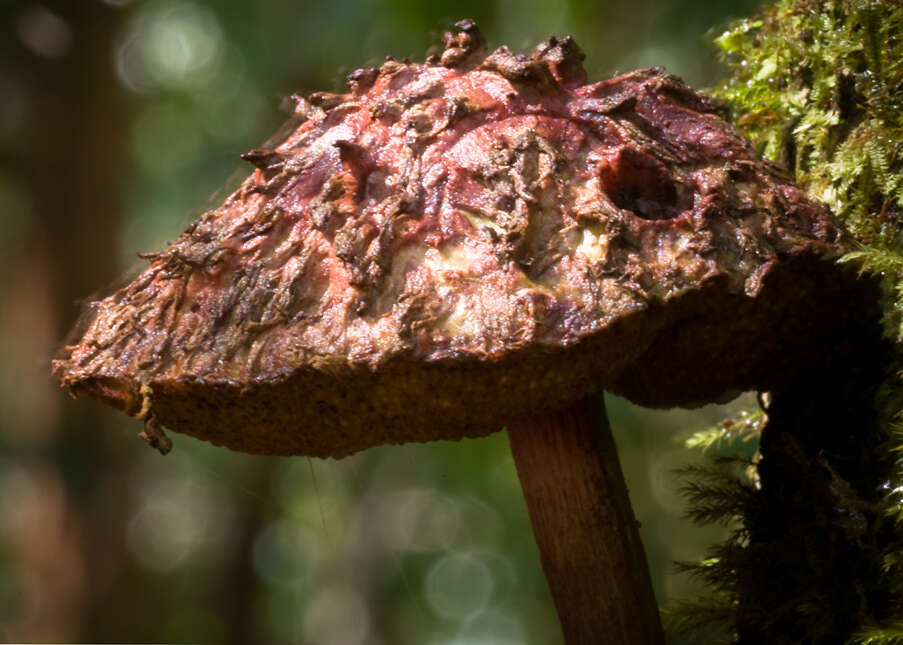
(583, 523)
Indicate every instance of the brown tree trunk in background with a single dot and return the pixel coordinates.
(73, 138)
(81, 584)
(77, 143)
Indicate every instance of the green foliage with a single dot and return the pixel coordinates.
(703, 620)
(818, 86)
(744, 429)
(880, 636)
(723, 492)
(720, 493)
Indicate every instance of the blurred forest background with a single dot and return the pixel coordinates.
(118, 121)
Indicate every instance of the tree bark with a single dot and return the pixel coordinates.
(584, 526)
(814, 568)
(82, 585)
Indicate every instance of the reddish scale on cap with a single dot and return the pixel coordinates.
(454, 242)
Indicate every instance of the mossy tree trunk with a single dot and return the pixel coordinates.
(818, 86)
(814, 562)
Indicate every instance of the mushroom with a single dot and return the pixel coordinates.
(472, 243)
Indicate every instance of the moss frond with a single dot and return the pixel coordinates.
(727, 434)
(880, 636)
(702, 620)
(719, 494)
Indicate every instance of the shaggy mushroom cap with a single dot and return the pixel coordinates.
(457, 243)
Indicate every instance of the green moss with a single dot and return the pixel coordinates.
(818, 87)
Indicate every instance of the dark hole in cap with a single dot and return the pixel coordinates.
(638, 182)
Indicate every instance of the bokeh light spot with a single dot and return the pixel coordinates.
(492, 627)
(162, 534)
(170, 46)
(180, 520)
(459, 586)
(419, 520)
(336, 616)
(43, 32)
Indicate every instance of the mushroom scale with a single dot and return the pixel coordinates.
(457, 243)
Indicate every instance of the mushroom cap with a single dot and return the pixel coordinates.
(455, 244)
